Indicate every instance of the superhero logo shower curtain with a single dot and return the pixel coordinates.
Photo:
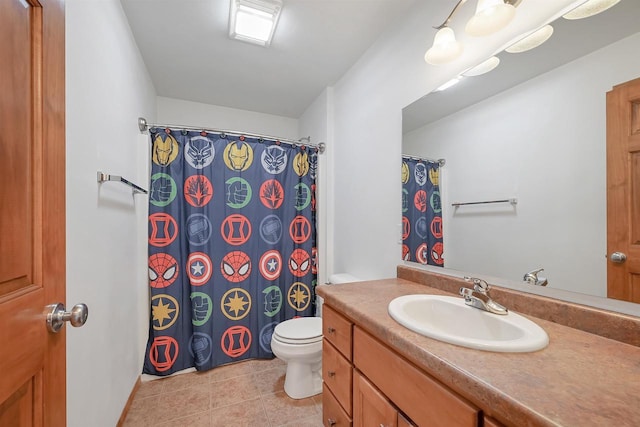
(421, 212)
(232, 246)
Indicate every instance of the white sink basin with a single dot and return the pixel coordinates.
(450, 320)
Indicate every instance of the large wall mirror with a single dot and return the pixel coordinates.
(533, 130)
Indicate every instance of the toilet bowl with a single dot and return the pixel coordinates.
(298, 342)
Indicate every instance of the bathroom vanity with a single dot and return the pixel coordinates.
(378, 373)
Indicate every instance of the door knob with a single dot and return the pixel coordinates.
(618, 257)
(57, 315)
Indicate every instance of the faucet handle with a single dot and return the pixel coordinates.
(478, 284)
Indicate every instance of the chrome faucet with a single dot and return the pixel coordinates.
(478, 297)
(533, 279)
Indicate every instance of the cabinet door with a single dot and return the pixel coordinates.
(332, 413)
(370, 407)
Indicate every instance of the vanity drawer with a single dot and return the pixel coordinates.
(337, 329)
(332, 413)
(337, 374)
(422, 398)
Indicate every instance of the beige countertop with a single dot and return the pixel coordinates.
(580, 379)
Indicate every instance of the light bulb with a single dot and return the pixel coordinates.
(491, 16)
(445, 47)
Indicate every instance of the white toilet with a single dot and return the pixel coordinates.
(298, 342)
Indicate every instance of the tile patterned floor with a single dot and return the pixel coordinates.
(242, 394)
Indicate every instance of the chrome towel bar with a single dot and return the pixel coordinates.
(102, 177)
(511, 201)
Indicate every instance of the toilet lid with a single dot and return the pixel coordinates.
(302, 330)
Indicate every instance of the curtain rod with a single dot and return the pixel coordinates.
(440, 162)
(144, 126)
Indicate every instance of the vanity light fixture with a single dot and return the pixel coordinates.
(531, 41)
(254, 21)
(483, 67)
(445, 47)
(491, 16)
(590, 8)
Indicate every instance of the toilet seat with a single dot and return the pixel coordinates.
(299, 331)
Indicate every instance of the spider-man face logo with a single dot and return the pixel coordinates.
(299, 262)
(163, 270)
(437, 255)
(236, 266)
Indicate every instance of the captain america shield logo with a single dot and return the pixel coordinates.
(271, 265)
(422, 254)
(199, 268)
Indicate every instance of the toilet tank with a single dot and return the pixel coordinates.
(334, 279)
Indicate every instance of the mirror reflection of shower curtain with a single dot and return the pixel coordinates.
(232, 246)
(421, 212)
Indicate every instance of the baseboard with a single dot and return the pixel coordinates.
(125, 411)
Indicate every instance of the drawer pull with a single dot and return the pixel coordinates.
(331, 330)
(331, 374)
(331, 421)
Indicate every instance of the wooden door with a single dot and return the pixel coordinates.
(623, 191)
(370, 406)
(32, 219)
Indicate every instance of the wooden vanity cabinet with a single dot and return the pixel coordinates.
(368, 384)
(337, 371)
(423, 399)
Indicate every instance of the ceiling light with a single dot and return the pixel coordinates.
(491, 16)
(531, 41)
(483, 67)
(445, 47)
(448, 84)
(254, 21)
(590, 8)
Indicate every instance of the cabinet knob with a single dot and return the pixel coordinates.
(331, 421)
(331, 373)
(331, 330)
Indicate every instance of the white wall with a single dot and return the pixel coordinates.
(107, 89)
(317, 122)
(542, 142)
(181, 112)
(367, 136)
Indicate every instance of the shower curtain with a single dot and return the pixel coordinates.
(421, 212)
(232, 246)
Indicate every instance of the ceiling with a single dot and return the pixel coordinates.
(571, 39)
(186, 48)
